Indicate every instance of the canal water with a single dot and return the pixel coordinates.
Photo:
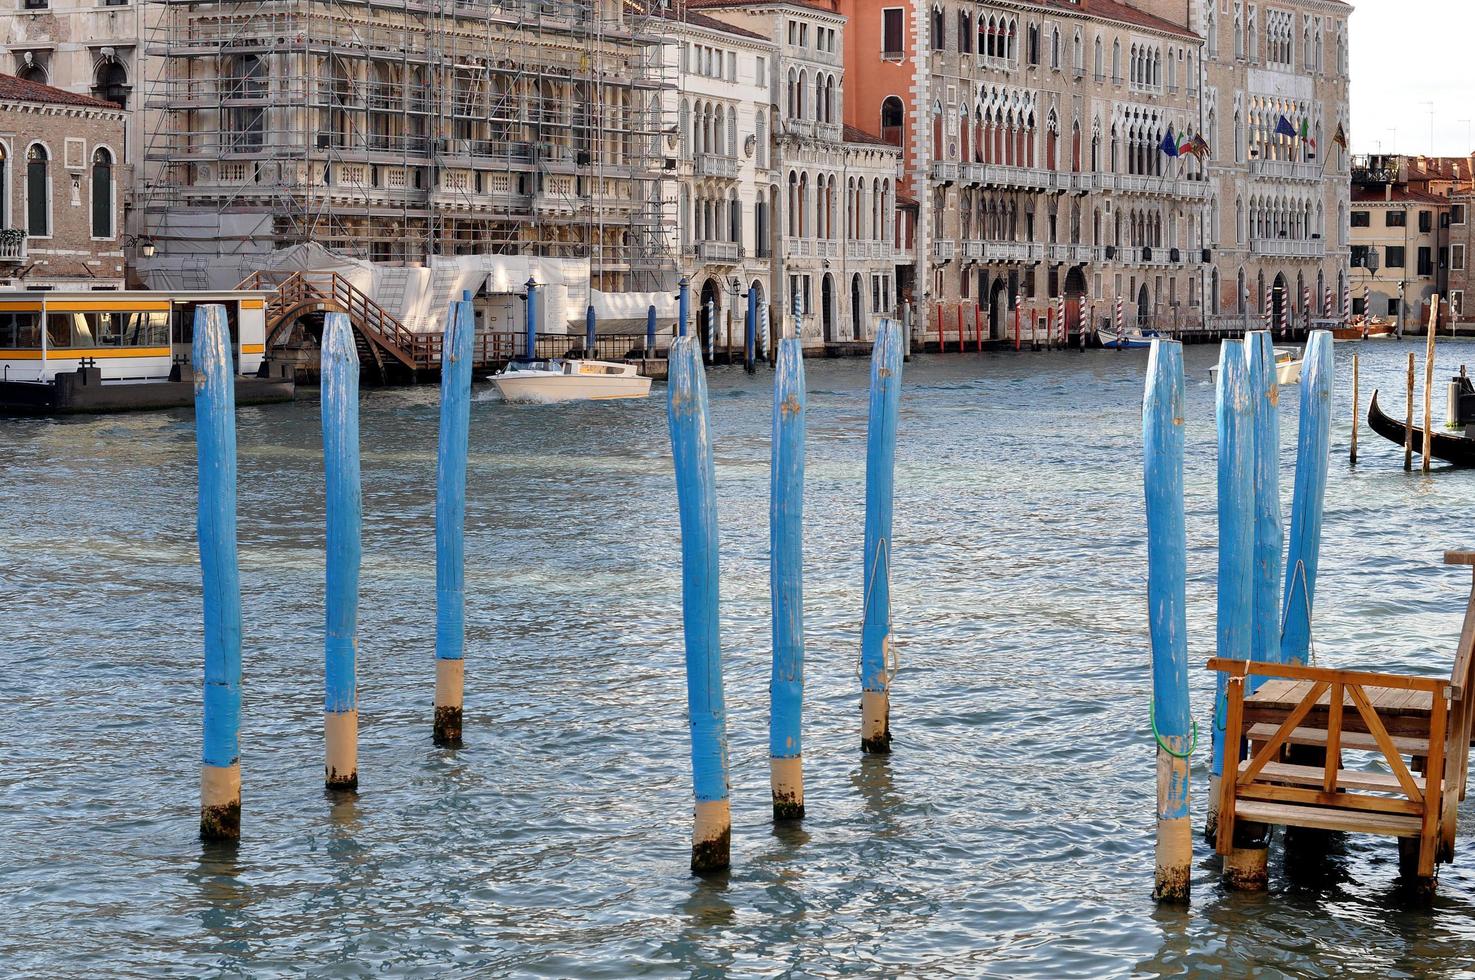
(1010, 833)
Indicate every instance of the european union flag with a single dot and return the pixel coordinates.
(1169, 145)
(1284, 128)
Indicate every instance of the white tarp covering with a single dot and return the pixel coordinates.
(625, 313)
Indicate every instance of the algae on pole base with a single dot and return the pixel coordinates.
(876, 654)
(696, 495)
(344, 506)
(1236, 541)
(786, 584)
(450, 522)
(215, 450)
(1313, 458)
(1167, 571)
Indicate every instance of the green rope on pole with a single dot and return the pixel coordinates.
(1157, 736)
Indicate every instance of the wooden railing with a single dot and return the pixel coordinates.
(292, 290)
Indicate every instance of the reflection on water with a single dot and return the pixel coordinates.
(1010, 833)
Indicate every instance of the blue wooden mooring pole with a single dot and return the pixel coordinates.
(531, 327)
(1236, 540)
(750, 333)
(786, 582)
(696, 494)
(215, 450)
(1269, 532)
(344, 508)
(683, 308)
(1313, 456)
(450, 522)
(650, 331)
(1167, 572)
(591, 329)
(877, 658)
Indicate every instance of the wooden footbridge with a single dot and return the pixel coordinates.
(388, 349)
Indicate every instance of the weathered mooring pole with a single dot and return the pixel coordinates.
(1408, 418)
(750, 333)
(1429, 381)
(875, 638)
(591, 330)
(696, 493)
(1236, 542)
(450, 522)
(786, 584)
(650, 332)
(683, 307)
(711, 338)
(1313, 457)
(1352, 453)
(344, 507)
(1167, 572)
(1245, 867)
(215, 451)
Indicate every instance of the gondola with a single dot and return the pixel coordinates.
(1456, 449)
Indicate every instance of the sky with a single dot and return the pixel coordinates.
(1406, 54)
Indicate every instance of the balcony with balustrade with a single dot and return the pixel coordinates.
(1286, 170)
(1288, 248)
(719, 253)
(981, 250)
(12, 245)
(716, 165)
(944, 250)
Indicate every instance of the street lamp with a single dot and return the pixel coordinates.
(143, 243)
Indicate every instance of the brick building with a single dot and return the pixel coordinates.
(62, 170)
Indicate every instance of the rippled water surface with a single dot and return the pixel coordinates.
(1009, 834)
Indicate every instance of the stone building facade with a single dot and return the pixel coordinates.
(1037, 145)
(62, 175)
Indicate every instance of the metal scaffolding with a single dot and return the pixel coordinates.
(394, 133)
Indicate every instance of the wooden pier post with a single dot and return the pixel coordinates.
(1245, 867)
(876, 656)
(906, 331)
(650, 332)
(750, 334)
(1352, 454)
(1313, 456)
(786, 584)
(591, 330)
(1408, 418)
(215, 452)
(531, 327)
(683, 307)
(1429, 381)
(340, 407)
(1235, 417)
(450, 521)
(696, 493)
(1167, 572)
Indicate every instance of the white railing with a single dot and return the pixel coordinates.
(943, 251)
(1285, 170)
(798, 248)
(827, 249)
(944, 170)
(828, 131)
(12, 247)
(716, 165)
(725, 253)
(1288, 248)
(1026, 178)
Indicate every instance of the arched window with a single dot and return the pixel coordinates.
(38, 191)
(102, 194)
(1116, 61)
(939, 30)
(33, 71)
(893, 121)
(1054, 47)
(111, 84)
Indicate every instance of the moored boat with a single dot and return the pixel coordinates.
(1458, 449)
(560, 380)
(1131, 338)
(1288, 364)
(1364, 328)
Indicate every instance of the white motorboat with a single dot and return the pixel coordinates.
(560, 380)
(1287, 367)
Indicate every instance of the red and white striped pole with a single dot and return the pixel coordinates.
(1269, 307)
(1326, 310)
(1285, 316)
(1018, 314)
(1306, 308)
(1346, 303)
(1060, 320)
(1121, 317)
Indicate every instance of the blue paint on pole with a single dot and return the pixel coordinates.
(215, 450)
(786, 580)
(875, 645)
(650, 331)
(696, 493)
(450, 520)
(344, 507)
(591, 329)
(1269, 532)
(683, 304)
(750, 333)
(1236, 524)
(531, 327)
(1308, 504)
(1167, 573)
